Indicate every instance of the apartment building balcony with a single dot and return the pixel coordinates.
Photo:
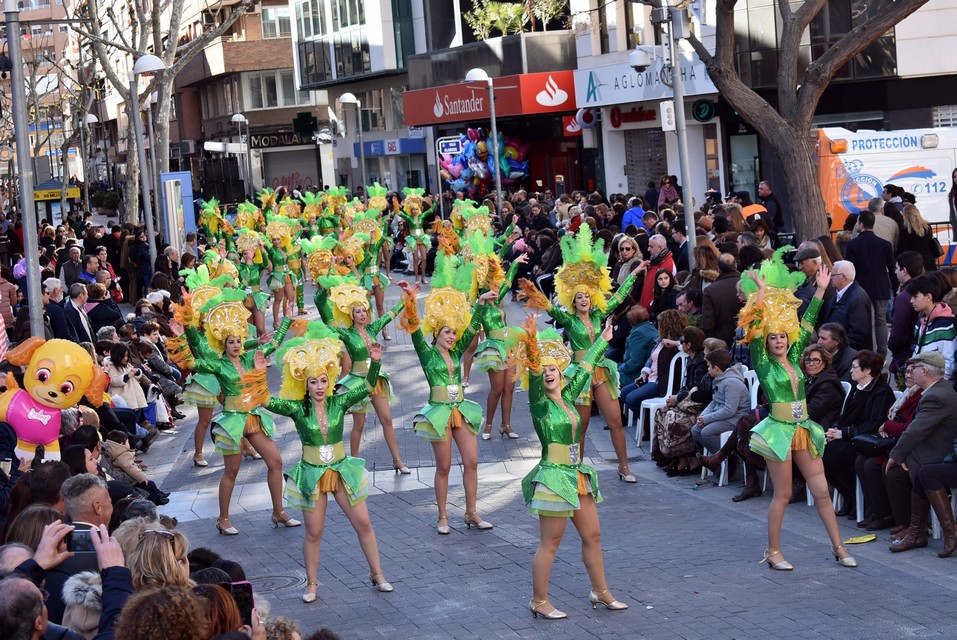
(234, 54)
(505, 56)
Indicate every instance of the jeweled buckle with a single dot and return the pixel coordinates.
(453, 392)
(327, 453)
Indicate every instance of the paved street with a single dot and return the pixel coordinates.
(678, 551)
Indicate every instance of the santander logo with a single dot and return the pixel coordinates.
(573, 126)
(438, 109)
(552, 95)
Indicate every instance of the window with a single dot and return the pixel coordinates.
(63, 28)
(273, 89)
(310, 19)
(277, 22)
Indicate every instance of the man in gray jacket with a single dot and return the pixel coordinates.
(927, 440)
(729, 403)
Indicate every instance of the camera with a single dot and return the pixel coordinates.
(639, 59)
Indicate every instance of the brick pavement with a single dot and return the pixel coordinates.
(683, 556)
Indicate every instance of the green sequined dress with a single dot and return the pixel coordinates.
(372, 276)
(551, 488)
(772, 437)
(490, 355)
(250, 279)
(578, 335)
(229, 426)
(320, 454)
(417, 235)
(446, 392)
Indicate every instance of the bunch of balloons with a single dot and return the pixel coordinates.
(473, 171)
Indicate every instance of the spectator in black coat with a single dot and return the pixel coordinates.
(863, 413)
(916, 235)
(59, 325)
(822, 386)
(851, 306)
(770, 202)
(101, 309)
(873, 259)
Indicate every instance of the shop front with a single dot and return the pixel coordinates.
(394, 163)
(290, 161)
(633, 147)
(531, 113)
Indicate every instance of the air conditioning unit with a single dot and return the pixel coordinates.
(189, 147)
(209, 20)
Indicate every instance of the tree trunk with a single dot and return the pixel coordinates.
(796, 152)
(161, 126)
(132, 189)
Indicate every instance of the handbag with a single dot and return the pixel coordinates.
(936, 248)
(871, 444)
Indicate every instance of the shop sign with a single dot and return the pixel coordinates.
(54, 194)
(416, 132)
(526, 94)
(617, 117)
(703, 110)
(571, 127)
(283, 139)
(620, 83)
(391, 147)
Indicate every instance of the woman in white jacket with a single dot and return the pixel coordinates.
(124, 378)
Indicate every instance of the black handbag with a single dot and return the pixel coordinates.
(871, 444)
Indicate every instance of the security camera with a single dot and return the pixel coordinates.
(639, 59)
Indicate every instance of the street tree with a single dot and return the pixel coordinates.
(133, 28)
(786, 125)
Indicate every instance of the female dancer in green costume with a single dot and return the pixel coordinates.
(344, 307)
(581, 285)
(220, 353)
(561, 486)
(777, 341)
(310, 367)
(369, 223)
(281, 280)
(417, 241)
(448, 415)
(251, 268)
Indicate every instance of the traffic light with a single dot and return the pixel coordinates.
(667, 112)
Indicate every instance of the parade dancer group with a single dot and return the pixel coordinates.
(332, 366)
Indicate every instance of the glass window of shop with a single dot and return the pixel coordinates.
(277, 22)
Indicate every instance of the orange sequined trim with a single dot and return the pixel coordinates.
(381, 387)
(253, 425)
(582, 484)
(329, 482)
(800, 440)
(456, 419)
(598, 376)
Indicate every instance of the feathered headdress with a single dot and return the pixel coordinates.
(211, 216)
(367, 224)
(319, 256)
(219, 265)
(476, 219)
(202, 289)
(289, 208)
(447, 304)
(778, 313)
(313, 355)
(224, 316)
(353, 245)
(377, 194)
(248, 216)
(345, 294)
(336, 197)
(479, 248)
(279, 228)
(456, 214)
(585, 269)
(533, 350)
(313, 205)
(250, 241)
(267, 199)
(412, 197)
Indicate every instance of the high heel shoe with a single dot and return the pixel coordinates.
(200, 461)
(400, 467)
(474, 518)
(228, 530)
(849, 561)
(465, 383)
(554, 614)
(285, 520)
(310, 596)
(380, 584)
(443, 529)
(506, 430)
(486, 432)
(784, 565)
(614, 605)
(252, 456)
(626, 477)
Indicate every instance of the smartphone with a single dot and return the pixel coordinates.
(80, 541)
(5, 465)
(243, 595)
(38, 454)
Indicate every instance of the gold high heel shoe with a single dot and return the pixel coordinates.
(380, 584)
(474, 518)
(310, 596)
(228, 530)
(285, 520)
(784, 565)
(506, 430)
(400, 467)
(487, 432)
(554, 614)
(443, 529)
(614, 605)
(849, 561)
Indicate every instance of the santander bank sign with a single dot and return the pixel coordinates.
(525, 94)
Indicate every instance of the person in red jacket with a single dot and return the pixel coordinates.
(659, 258)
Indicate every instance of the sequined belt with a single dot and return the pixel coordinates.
(563, 453)
(282, 268)
(295, 264)
(789, 411)
(372, 270)
(446, 393)
(499, 334)
(360, 367)
(417, 232)
(323, 454)
(233, 403)
(580, 354)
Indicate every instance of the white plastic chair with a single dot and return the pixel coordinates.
(651, 405)
(936, 530)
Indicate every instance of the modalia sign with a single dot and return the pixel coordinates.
(620, 83)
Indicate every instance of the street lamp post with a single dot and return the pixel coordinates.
(350, 98)
(240, 119)
(154, 174)
(145, 65)
(480, 75)
(25, 167)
